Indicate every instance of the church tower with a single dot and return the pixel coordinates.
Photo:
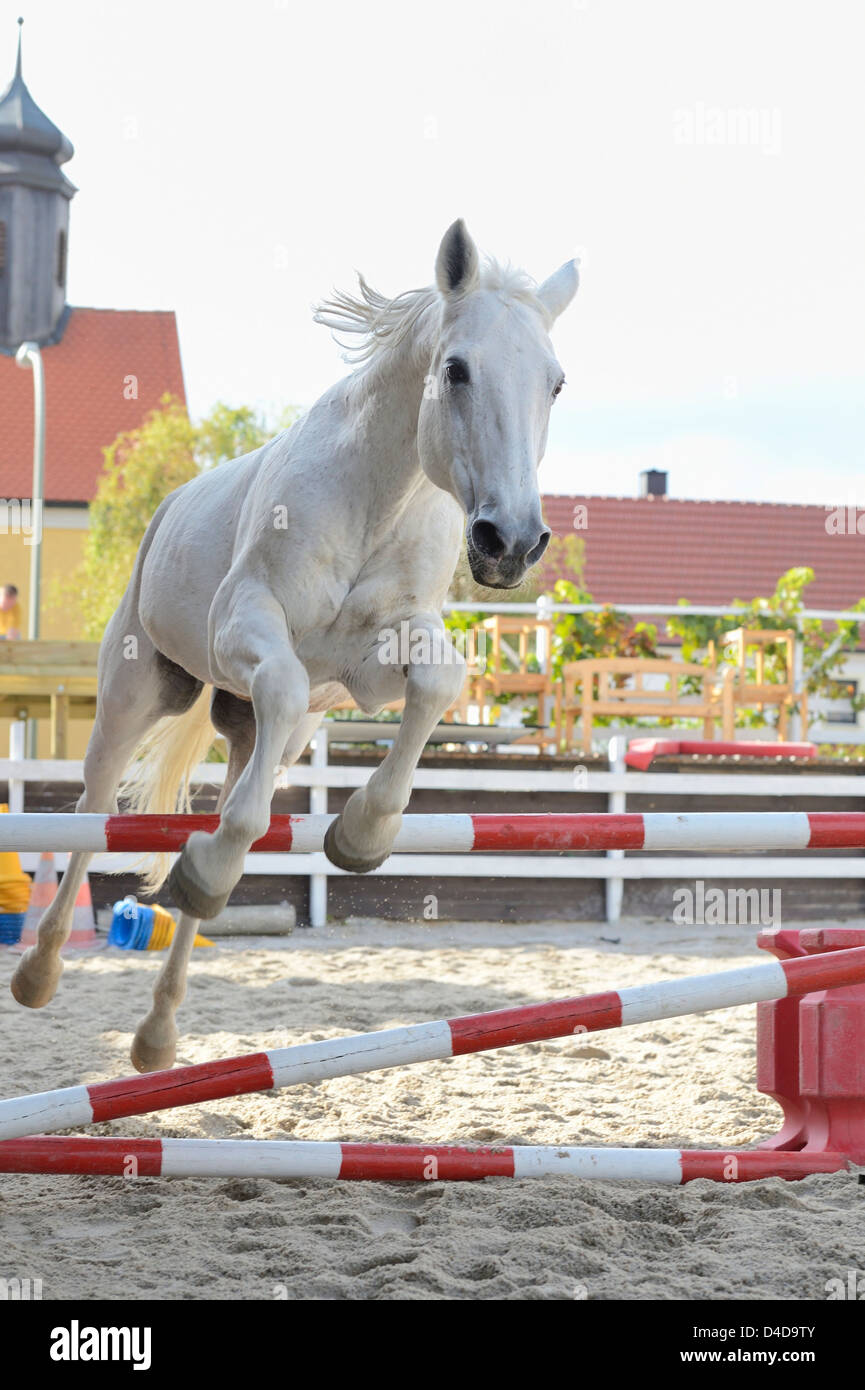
(34, 219)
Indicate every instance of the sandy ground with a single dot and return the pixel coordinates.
(687, 1082)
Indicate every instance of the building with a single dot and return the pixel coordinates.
(105, 369)
(658, 549)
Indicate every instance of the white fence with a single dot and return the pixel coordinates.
(319, 776)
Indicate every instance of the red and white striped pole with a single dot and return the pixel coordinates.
(277, 1158)
(423, 1042)
(461, 833)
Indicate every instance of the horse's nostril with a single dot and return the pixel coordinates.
(538, 549)
(488, 540)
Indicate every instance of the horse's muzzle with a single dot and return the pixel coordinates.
(499, 560)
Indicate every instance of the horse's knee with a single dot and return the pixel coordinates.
(280, 689)
(440, 682)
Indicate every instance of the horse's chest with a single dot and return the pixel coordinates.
(355, 628)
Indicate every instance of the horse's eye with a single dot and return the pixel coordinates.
(558, 389)
(456, 371)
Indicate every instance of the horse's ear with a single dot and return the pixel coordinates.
(457, 265)
(556, 293)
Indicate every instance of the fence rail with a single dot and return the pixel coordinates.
(319, 776)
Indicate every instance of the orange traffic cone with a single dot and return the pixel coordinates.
(43, 892)
(83, 927)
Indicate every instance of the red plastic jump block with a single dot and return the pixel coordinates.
(811, 1052)
(642, 751)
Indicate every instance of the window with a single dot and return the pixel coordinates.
(2, 249)
(61, 259)
(845, 714)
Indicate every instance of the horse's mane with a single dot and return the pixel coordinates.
(384, 323)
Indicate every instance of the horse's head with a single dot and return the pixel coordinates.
(483, 421)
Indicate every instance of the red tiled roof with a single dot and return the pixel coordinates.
(661, 549)
(84, 397)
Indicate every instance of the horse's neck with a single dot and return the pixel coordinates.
(384, 398)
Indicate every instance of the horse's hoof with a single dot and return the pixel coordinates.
(152, 1054)
(349, 862)
(36, 978)
(189, 894)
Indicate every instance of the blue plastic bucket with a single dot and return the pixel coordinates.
(131, 925)
(11, 927)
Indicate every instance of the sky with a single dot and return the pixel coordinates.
(237, 161)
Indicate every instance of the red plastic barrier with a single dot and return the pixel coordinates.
(811, 1051)
(642, 751)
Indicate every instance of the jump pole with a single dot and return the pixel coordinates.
(424, 1042)
(278, 1158)
(460, 833)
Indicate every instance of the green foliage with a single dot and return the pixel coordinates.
(141, 467)
(579, 636)
(230, 431)
(823, 653)
(612, 633)
(842, 752)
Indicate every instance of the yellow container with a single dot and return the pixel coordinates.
(164, 927)
(14, 883)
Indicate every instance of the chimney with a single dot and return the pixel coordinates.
(653, 483)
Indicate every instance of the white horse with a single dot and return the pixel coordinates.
(267, 587)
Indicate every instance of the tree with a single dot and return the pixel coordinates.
(140, 469)
(229, 431)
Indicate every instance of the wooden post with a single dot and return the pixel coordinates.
(59, 723)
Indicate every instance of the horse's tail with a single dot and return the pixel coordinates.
(160, 774)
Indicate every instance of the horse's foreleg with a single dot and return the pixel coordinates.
(363, 835)
(256, 654)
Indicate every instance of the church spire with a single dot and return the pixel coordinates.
(34, 217)
(25, 130)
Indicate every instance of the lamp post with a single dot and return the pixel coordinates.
(28, 355)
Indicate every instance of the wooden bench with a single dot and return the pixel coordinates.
(616, 687)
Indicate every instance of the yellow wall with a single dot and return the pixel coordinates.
(62, 552)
